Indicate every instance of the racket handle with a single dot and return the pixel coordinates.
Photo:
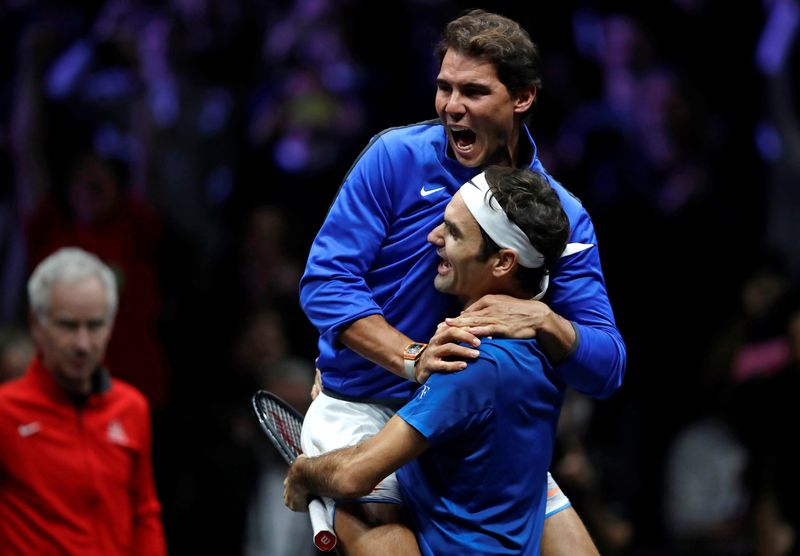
(324, 537)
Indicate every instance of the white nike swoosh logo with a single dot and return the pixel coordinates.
(29, 429)
(573, 248)
(425, 192)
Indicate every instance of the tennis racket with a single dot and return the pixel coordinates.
(282, 424)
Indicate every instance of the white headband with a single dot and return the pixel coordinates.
(492, 218)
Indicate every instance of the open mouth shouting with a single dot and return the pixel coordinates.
(444, 266)
(444, 274)
(462, 140)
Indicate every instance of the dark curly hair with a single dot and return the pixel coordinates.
(534, 206)
(500, 40)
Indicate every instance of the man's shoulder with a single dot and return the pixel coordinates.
(569, 201)
(498, 350)
(15, 390)
(498, 356)
(20, 397)
(401, 151)
(581, 227)
(518, 370)
(124, 393)
(428, 129)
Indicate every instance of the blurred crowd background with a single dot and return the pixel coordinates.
(195, 145)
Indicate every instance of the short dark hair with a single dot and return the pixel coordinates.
(498, 39)
(532, 204)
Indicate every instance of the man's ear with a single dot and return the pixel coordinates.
(505, 262)
(524, 99)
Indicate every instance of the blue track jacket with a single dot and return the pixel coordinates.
(371, 256)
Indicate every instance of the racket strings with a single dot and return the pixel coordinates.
(285, 424)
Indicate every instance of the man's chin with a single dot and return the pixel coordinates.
(470, 161)
(441, 284)
(82, 372)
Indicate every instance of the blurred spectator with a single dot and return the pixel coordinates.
(751, 342)
(261, 271)
(263, 359)
(268, 270)
(310, 107)
(713, 499)
(764, 410)
(706, 496)
(595, 476)
(188, 133)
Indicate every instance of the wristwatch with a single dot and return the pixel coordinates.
(411, 355)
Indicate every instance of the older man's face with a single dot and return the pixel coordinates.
(72, 339)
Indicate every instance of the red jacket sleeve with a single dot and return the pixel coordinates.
(148, 531)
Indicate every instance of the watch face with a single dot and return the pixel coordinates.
(413, 350)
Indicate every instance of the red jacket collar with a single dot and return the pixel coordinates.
(39, 374)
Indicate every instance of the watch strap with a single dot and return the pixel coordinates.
(411, 355)
(410, 368)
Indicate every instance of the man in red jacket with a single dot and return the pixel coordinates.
(75, 445)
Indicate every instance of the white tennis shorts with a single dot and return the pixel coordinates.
(331, 424)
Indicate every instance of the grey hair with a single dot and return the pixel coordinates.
(70, 265)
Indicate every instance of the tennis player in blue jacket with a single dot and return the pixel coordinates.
(367, 289)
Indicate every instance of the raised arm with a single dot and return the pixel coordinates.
(353, 472)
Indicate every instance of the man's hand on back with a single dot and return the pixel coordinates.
(444, 354)
(510, 317)
(503, 315)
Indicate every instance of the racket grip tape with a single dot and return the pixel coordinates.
(324, 537)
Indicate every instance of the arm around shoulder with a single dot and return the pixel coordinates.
(373, 338)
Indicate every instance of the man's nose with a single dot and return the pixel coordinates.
(83, 338)
(436, 237)
(455, 105)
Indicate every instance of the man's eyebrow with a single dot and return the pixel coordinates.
(452, 228)
(476, 86)
(71, 321)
